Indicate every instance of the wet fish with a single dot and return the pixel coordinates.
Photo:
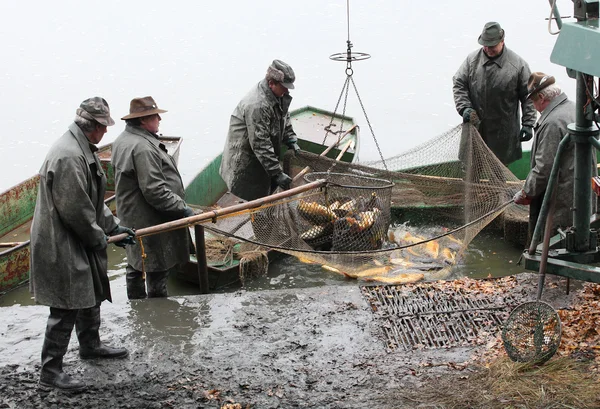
(398, 277)
(315, 213)
(316, 232)
(371, 272)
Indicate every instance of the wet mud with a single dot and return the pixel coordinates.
(291, 348)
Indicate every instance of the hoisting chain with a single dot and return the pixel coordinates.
(349, 56)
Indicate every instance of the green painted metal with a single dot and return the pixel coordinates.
(207, 187)
(577, 47)
(17, 204)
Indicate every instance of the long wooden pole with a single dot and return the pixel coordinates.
(215, 214)
(11, 244)
(325, 152)
(346, 147)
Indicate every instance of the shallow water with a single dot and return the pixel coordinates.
(487, 255)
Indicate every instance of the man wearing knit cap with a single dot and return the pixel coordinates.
(149, 191)
(488, 88)
(68, 244)
(258, 126)
(556, 113)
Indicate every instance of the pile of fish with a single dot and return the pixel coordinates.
(344, 224)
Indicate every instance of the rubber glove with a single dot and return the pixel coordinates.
(526, 133)
(188, 211)
(521, 198)
(467, 114)
(294, 146)
(130, 239)
(283, 181)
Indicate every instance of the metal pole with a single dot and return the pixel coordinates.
(201, 258)
(555, 13)
(582, 194)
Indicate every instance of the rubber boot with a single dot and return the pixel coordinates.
(87, 326)
(56, 341)
(136, 285)
(157, 284)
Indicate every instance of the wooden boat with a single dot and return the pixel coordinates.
(207, 189)
(17, 205)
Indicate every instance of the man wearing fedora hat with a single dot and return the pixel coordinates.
(149, 191)
(556, 113)
(258, 126)
(68, 244)
(488, 88)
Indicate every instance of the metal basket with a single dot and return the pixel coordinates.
(532, 332)
(352, 215)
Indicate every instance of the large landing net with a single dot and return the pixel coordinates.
(410, 222)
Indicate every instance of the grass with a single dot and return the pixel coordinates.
(559, 383)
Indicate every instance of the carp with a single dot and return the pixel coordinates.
(316, 232)
(315, 213)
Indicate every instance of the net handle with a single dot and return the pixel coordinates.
(215, 214)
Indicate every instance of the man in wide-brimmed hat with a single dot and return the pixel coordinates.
(69, 241)
(257, 128)
(556, 113)
(489, 87)
(149, 191)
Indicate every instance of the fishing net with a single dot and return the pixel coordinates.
(408, 222)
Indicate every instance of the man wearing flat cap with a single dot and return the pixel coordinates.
(68, 244)
(258, 126)
(488, 88)
(556, 113)
(149, 191)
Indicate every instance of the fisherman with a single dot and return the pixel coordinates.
(258, 126)
(149, 191)
(557, 111)
(68, 244)
(488, 87)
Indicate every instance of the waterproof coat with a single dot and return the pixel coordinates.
(257, 128)
(70, 225)
(549, 131)
(149, 191)
(495, 87)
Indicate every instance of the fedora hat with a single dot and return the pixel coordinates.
(144, 106)
(95, 109)
(537, 82)
(491, 35)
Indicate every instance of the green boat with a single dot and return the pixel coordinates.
(316, 130)
(16, 212)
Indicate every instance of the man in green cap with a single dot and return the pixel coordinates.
(258, 126)
(68, 244)
(489, 87)
(149, 191)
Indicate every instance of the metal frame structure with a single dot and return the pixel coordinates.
(572, 251)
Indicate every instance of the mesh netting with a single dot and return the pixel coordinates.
(410, 222)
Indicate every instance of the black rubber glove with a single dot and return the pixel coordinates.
(188, 211)
(467, 114)
(130, 239)
(283, 181)
(526, 134)
(294, 146)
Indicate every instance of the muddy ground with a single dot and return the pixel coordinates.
(308, 348)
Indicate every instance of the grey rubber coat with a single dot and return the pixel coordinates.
(149, 191)
(70, 224)
(495, 88)
(257, 128)
(551, 127)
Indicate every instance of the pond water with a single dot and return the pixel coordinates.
(487, 255)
